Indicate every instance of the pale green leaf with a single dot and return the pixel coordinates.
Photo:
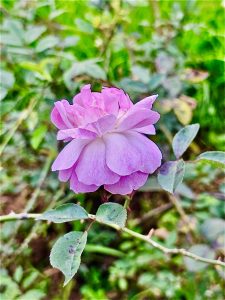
(171, 175)
(33, 33)
(112, 213)
(7, 79)
(183, 139)
(88, 67)
(200, 250)
(214, 157)
(213, 228)
(46, 43)
(65, 213)
(66, 253)
(38, 135)
(36, 294)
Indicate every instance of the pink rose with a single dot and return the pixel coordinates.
(106, 145)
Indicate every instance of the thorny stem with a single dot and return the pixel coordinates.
(24, 216)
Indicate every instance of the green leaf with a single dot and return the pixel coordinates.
(3, 92)
(155, 81)
(38, 135)
(47, 43)
(84, 26)
(112, 213)
(66, 252)
(183, 139)
(132, 86)
(38, 68)
(10, 288)
(33, 33)
(213, 228)
(30, 279)
(88, 67)
(200, 250)
(15, 32)
(18, 274)
(152, 185)
(65, 213)
(215, 157)
(7, 79)
(171, 175)
(96, 71)
(36, 294)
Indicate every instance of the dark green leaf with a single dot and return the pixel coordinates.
(66, 252)
(183, 139)
(65, 213)
(171, 175)
(112, 213)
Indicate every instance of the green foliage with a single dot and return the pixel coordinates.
(171, 175)
(202, 250)
(112, 213)
(183, 139)
(49, 49)
(215, 157)
(65, 213)
(66, 252)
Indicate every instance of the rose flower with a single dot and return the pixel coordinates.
(105, 140)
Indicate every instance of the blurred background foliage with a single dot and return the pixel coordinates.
(49, 49)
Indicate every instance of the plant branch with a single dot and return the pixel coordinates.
(183, 252)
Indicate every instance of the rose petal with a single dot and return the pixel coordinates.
(69, 155)
(61, 107)
(149, 154)
(75, 133)
(91, 167)
(149, 129)
(79, 187)
(84, 98)
(127, 184)
(103, 124)
(137, 118)
(146, 102)
(57, 119)
(64, 175)
(121, 157)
